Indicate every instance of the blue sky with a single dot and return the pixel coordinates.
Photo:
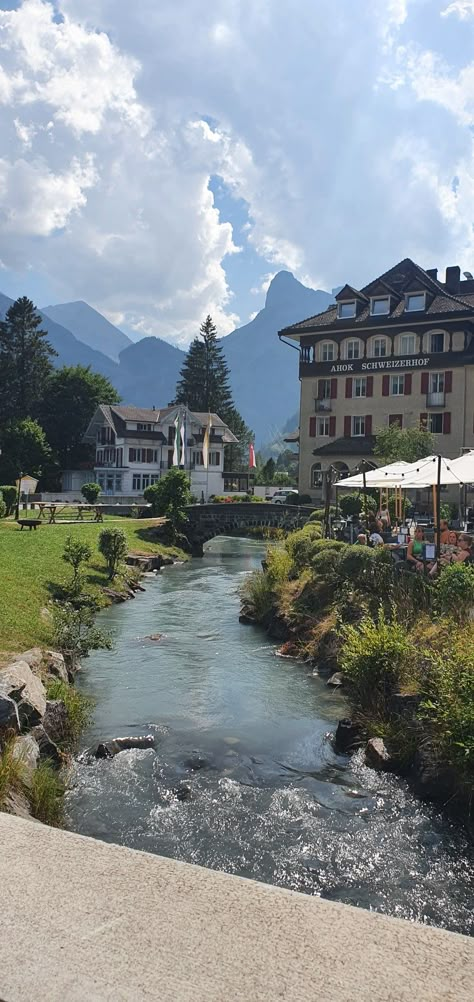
(164, 160)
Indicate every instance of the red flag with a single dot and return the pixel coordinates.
(252, 463)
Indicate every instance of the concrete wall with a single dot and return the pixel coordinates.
(82, 920)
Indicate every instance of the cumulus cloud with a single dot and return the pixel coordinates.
(114, 117)
(463, 9)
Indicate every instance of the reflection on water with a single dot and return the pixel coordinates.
(271, 800)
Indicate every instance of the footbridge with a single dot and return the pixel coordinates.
(226, 519)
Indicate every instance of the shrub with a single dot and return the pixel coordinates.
(91, 492)
(319, 514)
(75, 633)
(78, 708)
(406, 505)
(113, 546)
(257, 595)
(9, 494)
(454, 591)
(75, 554)
(375, 657)
(299, 499)
(448, 706)
(169, 498)
(278, 565)
(3, 507)
(298, 544)
(350, 504)
(46, 795)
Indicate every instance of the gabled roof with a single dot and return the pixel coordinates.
(117, 416)
(348, 292)
(404, 276)
(359, 446)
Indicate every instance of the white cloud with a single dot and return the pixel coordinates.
(463, 9)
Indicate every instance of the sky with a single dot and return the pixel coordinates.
(163, 160)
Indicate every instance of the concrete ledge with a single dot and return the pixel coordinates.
(83, 920)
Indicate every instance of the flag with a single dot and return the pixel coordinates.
(206, 442)
(177, 441)
(183, 440)
(252, 463)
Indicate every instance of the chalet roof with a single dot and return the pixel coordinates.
(403, 277)
(117, 416)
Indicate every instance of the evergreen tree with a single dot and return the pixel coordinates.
(204, 378)
(25, 361)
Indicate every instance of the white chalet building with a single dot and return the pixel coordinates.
(135, 446)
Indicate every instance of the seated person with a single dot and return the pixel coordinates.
(415, 550)
(449, 548)
(384, 517)
(361, 539)
(375, 539)
(464, 551)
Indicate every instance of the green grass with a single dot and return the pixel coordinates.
(31, 562)
(46, 795)
(12, 770)
(78, 708)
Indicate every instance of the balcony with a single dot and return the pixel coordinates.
(323, 406)
(437, 399)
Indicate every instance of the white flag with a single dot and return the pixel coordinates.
(206, 442)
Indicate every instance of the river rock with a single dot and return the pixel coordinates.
(182, 792)
(55, 665)
(19, 682)
(33, 658)
(107, 749)
(9, 719)
(26, 750)
(348, 736)
(336, 680)
(56, 720)
(378, 756)
(154, 636)
(47, 747)
(195, 762)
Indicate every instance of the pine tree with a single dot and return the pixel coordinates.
(204, 378)
(25, 361)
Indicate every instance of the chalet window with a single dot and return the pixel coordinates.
(118, 484)
(358, 426)
(436, 342)
(198, 458)
(214, 458)
(327, 351)
(136, 482)
(346, 310)
(408, 344)
(415, 301)
(397, 386)
(132, 455)
(323, 427)
(435, 424)
(436, 382)
(359, 386)
(380, 306)
(380, 347)
(143, 427)
(145, 480)
(353, 349)
(324, 389)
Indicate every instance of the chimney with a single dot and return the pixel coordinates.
(433, 273)
(453, 278)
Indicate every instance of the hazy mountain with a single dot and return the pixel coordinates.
(264, 371)
(70, 350)
(148, 372)
(90, 327)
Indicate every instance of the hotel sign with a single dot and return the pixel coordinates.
(381, 365)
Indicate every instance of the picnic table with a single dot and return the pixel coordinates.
(55, 508)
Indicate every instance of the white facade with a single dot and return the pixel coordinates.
(134, 447)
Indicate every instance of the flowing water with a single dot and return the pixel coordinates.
(271, 799)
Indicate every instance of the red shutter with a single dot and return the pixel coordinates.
(333, 389)
(448, 382)
(407, 384)
(424, 382)
(370, 386)
(424, 420)
(332, 427)
(348, 387)
(385, 386)
(446, 423)
(312, 427)
(347, 426)
(368, 424)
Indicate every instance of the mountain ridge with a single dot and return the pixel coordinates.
(89, 326)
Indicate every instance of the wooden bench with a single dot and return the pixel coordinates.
(29, 523)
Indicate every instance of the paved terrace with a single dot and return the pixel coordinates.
(82, 920)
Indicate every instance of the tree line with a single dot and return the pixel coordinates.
(45, 411)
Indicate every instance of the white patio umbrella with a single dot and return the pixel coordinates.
(433, 471)
(384, 476)
(463, 467)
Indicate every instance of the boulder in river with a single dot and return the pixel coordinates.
(195, 762)
(154, 636)
(336, 680)
(348, 736)
(182, 792)
(108, 749)
(55, 720)
(47, 747)
(378, 756)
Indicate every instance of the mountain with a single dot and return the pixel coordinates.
(264, 370)
(90, 327)
(70, 350)
(148, 372)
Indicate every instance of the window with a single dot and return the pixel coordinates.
(415, 301)
(396, 419)
(145, 480)
(143, 427)
(316, 475)
(143, 455)
(408, 344)
(436, 382)
(154, 478)
(327, 352)
(118, 484)
(346, 310)
(353, 349)
(214, 459)
(323, 426)
(136, 482)
(358, 426)
(101, 480)
(380, 306)
(380, 347)
(197, 458)
(436, 342)
(397, 386)
(435, 424)
(359, 387)
(324, 389)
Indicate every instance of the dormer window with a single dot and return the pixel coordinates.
(346, 310)
(379, 306)
(415, 301)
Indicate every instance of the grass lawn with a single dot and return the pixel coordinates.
(32, 559)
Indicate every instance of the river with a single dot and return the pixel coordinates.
(272, 800)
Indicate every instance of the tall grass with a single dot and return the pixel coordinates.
(46, 795)
(12, 770)
(78, 708)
